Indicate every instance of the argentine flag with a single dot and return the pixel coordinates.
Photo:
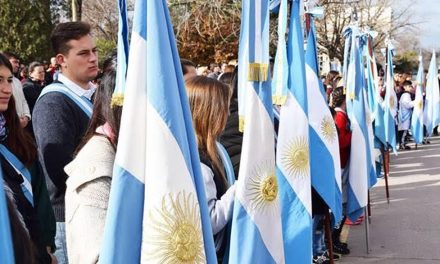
(431, 113)
(324, 145)
(157, 210)
(281, 70)
(390, 101)
(6, 249)
(417, 115)
(361, 166)
(293, 163)
(256, 235)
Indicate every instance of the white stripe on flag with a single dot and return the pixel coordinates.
(291, 138)
(358, 166)
(257, 163)
(130, 129)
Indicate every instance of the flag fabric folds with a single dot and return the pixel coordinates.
(292, 157)
(431, 112)
(324, 145)
(157, 210)
(256, 235)
(361, 167)
(6, 249)
(256, 223)
(280, 73)
(390, 101)
(417, 115)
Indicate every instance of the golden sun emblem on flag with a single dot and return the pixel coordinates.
(419, 104)
(174, 231)
(391, 102)
(328, 129)
(263, 188)
(295, 157)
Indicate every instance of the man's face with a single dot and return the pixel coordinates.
(81, 62)
(15, 64)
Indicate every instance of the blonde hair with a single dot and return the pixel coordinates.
(209, 102)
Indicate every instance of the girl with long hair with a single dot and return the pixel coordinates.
(29, 209)
(209, 101)
(90, 174)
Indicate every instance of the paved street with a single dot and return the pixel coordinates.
(407, 231)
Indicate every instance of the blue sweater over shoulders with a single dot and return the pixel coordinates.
(59, 125)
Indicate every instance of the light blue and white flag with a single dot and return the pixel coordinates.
(6, 249)
(390, 102)
(256, 235)
(431, 112)
(293, 163)
(122, 56)
(361, 167)
(281, 69)
(417, 114)
(157, 210)
(375, 101)
(324, 145)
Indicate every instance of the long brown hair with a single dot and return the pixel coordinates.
(209, 102)
(19, 141)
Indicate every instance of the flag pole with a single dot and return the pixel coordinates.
(328, 234)
(367, 234)
(386, 168)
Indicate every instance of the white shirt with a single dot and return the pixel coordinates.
(21, 104)
(78, 90)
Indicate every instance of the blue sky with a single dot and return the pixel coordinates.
(428, 12)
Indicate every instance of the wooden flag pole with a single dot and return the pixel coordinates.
(328, 235)
(386, 170)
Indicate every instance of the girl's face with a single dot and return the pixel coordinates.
(5, 87)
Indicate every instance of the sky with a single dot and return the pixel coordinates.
(427, 12)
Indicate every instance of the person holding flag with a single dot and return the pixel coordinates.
(431, 112)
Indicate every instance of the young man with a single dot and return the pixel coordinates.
(62, 113)
(21, 104)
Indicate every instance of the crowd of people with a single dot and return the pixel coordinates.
(59, 135)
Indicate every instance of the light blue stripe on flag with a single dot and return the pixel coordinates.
(6, 249)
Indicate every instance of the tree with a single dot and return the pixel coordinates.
(206, 31)
(25, 27)
(368, 14)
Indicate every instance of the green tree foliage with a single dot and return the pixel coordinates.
(105, 48)
(25, 28)
(406, 62)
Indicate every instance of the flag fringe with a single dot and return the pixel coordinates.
(258, 72)
(117, 100)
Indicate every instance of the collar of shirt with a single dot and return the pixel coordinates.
(338, 109)
(78, 90)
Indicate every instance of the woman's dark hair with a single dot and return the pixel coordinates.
(4, 61)
(102, 111)
(34, 65)
(18, 140)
